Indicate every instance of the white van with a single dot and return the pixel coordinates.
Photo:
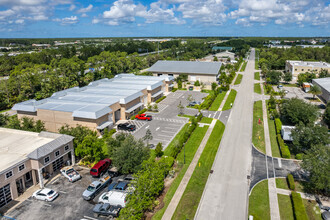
(113, 198)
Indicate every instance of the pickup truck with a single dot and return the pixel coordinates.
(106, 210)
(95, 187)
(70, 173)
(143, 117)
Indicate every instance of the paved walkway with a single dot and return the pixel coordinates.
(224, 100)
(288, 192)
(185, 180)
(273, 201)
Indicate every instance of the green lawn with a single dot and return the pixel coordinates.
(190, 150)
(289, 85)
(243, 66)
(282, 183)
(258, 135)
(230, 100)
(188, 204)
(257, 88)
(312, 209)
(285, 206)
(257, 76)
(4, 110)
(238, 79)
(272, 135)
(217, 102)
(259, 201)
(206, 120)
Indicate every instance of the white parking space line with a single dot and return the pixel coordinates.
(157, 128)
(90, 218)
(169, 132)
(209, 115)
(62, 192)
(160, 139)
(279, 162)
(48, 205)
(169, 136)
(147, 127)
(219, 115)
(171, 128)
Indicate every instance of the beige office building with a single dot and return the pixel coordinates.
(27, 157)
(297, 67)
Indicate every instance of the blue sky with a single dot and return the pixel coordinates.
(132, 18)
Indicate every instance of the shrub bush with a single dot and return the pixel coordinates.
(290, 180)
(278, 125)
(174, 89)
(197, 83)
(160, 99)
(285, 152)
(299, 156)
(298, 207)
(142, 111)
(132, 117)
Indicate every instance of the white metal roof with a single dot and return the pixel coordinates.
(323, 82)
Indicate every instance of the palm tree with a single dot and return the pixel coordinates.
(315, 90)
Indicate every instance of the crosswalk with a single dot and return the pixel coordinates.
(181, 121)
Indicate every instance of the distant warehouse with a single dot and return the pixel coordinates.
(297, 67)
(324, 84)
(202, 71)
(98, 105)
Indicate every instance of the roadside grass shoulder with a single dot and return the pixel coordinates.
(259, 201)
(257, 76)
(190, 149)
(272, 135)
(206, 120)
(258, 135)
(230, 100)
(189, 202)
(285, 206)
(238, 79)
(217, 102)
(257, 88)
(243, 66)
(312, 209)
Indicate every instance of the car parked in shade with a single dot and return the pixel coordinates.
(118, 186)
(70, 173)
(192, 104)
(100, 168)
(45, 194)
(144, 117)
(106, 210)
(126, 127)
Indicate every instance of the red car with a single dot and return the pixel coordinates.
(144, 117)
(100, 168)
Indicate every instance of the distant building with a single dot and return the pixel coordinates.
(98, 105)
(223, 56)
(274, 42)
(286, 132)
(297, 67)
(279, 46)
(311, 46)
(27, 156)
(202, 71)
(324, 84)
(41, 45)
(216, 48)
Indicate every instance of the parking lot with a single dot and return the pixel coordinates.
(294, 92)
(68, 205)
(166, 124)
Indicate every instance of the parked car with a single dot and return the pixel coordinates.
(326, 215)
(45, 194)
(191, 88)
(126, 127)
(122, 185)
(113, 172)
(100, 168)
(95, 187)
(117, 198)
(192, 104)
(70, 173)
(144, 117)
(106, 210)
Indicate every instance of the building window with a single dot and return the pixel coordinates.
(66, 147)
(308, 69)
(9, 174)
(21, 167)
(46, 159)
(57, 153)
(295, 69)
(302, 69)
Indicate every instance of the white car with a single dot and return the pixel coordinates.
(45, 194)
(70, 174)
(114, 198)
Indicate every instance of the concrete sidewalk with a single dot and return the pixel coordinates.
(185, 180)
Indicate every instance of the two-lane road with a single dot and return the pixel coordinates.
(226, 192)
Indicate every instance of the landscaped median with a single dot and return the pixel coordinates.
(189, 202)
(259, 201)
(257, 76)
(257, 88)
(258, 135)
(238, 79)
(230, 100)
(217, 102)
(243, 66)
(190, 149)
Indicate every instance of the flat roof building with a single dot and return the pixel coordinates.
(324, 84)
(202, 71)
(26, 157)
(296, 67)
(98, 105)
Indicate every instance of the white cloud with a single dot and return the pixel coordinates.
(85, 10)
(19, 21)
(72, 7)
(7, 13)
(84, 15)
(67, 20)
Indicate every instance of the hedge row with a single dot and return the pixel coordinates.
(159, 100)
(174, 89)
(284, 148)
(298, 207)
(290, 179)
(278, 125)
(208, 100)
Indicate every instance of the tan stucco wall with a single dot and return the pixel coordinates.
(127, 106)
(201, 77)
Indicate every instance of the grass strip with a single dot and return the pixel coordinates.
(272, 135)
(312, 209)
(217, 102)
(190, 149)
(206, 120)
(281, 183)
(285, 206)
(257, 76)
(230, 100)
(243, 66)
(259, 201)
(257, 88)
(238, 79)
(188, 204)
(258, 135)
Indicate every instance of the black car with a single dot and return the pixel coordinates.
(126, 127)
(106, 210)
(192, 104)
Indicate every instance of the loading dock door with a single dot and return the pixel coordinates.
(57, 164)
(5, 195)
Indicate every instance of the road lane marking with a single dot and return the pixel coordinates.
(169, 132)
(209, 115)
(279, 162)
(90, 218)
(62, 192)
(157, 128)
(164, 135)
(48, 205)
(147, 127)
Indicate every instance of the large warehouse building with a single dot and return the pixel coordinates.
(98, 105)
(324, 84)
(206, 72)
(297, 67)
(27, 156)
